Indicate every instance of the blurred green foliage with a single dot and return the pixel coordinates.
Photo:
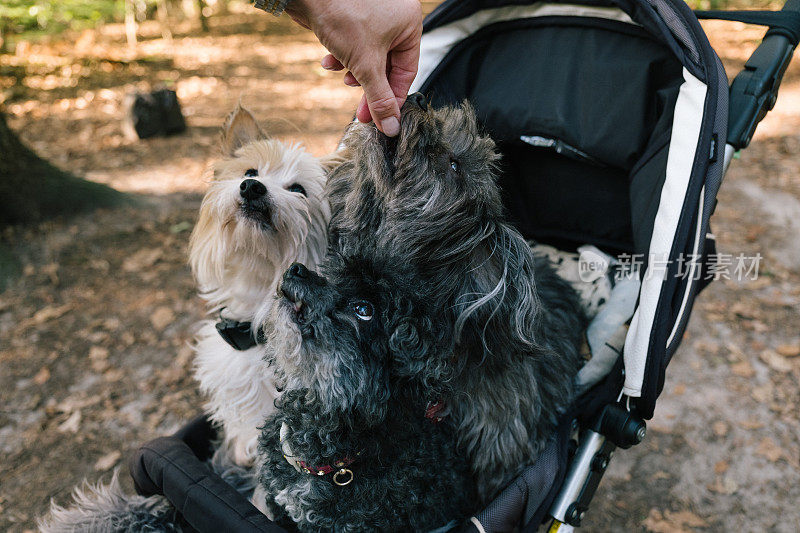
(43, 16)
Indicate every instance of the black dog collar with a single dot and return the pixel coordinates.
(238, 334)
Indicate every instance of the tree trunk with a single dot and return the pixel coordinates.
(201, 5)
(130, 23)
(163, 21)
(32, 189)
(189, 8)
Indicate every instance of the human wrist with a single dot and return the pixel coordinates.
(303, 9)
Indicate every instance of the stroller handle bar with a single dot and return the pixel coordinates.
(755, 89)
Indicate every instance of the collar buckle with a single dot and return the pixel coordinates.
(239, 335)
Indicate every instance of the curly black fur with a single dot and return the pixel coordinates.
(359, 388)
(515, 328)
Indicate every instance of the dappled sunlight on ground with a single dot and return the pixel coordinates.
(69, 104)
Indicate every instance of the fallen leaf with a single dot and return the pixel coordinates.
(51, 270)
(50, 313)
(100, 264)
(107, 461)
(769, 449)
(757, 346)
(743, 310)
(112, 324)
(775, 361)
(42, 376)
(723, 486)
(762, 394)
(720, 428)
(127, 338)
(114, 374)
(655, 522)
(99, 358)
(71, 424)
(181, 227)
(686, 518)
(753, 232)
(663, 523)
(141, 260)
(758, 283)
(184, 357)
(679, 389)
(161, 317)
(660, 475)
(788, 350)
(659, 428)
(98, 352)
(720, 467)
(752, 424)
(743, 369)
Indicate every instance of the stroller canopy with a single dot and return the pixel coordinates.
(610, 117)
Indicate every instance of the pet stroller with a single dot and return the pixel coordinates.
(616, 124)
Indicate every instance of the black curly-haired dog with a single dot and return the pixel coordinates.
(358, 442)
(430, 199)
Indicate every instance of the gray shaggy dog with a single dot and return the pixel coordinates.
(430, 199)
(357, 442)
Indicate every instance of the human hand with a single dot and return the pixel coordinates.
(376, 41)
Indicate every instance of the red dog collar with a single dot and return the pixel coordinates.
(433, 411)
(341, 474)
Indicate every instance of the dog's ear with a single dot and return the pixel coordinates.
(332, 161)
(502, 304)
(240, 128)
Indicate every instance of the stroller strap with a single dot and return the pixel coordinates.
(786, 23)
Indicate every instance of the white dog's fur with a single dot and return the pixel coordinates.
(238, 262)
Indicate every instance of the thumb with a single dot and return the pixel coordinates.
(381, 101)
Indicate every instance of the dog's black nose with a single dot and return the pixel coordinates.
(418, 99)
(252, 189)
(297, 270)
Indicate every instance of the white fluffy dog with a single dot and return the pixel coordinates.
(265, 209)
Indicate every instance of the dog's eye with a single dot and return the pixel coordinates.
(363, 310)
(454, 166)
(250, 173)
(296, 187)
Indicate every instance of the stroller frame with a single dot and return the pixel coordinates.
(721, 120)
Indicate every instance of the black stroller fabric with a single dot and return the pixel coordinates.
(576, 73)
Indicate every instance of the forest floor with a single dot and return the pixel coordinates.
(95, 329)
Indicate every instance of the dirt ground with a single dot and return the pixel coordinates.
(95, 331)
